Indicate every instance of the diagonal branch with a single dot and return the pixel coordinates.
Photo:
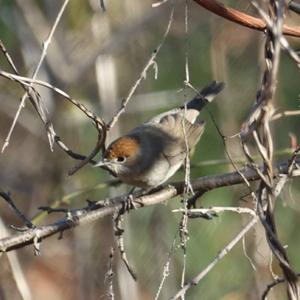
(99, 124)
(220, 255)
(151, 62)
(108, 207)
(36, 101)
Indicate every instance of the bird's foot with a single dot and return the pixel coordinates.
(129, 203)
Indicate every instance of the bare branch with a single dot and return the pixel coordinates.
(108, 207)
(286, 113)
(99, 124)
(109, 276)
(150, 62)
(39, 106)
(272, 285)
(218, 257)
(258, 128)
(217, 209)
(7, 198)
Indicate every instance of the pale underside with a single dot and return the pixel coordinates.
(165, 142)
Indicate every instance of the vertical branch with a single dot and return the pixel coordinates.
(183, 226)
(109, 276)
(258, 127)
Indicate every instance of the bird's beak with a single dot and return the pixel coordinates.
(101, 163)
(106, 165)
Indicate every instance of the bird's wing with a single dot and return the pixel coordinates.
(157, 119)
(180, 129)
(193, 107)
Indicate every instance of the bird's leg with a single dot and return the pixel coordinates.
(128, 202)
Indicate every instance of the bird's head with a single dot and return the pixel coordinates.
(121, 156)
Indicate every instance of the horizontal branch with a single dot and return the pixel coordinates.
(243, 19)
(196, 212)
(108, 207)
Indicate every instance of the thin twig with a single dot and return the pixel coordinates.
(286, 113)
(109, 276)
(166, 267)
(216, 210)
(218, 257)
(7, 198)
(183, 224)
(271, 26)
(118, 220)
(98, 122)
(272, 285)
(150, 62)
(35, 73)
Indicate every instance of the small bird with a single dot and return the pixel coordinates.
(151, 153)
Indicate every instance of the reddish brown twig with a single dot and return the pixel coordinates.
(241, 18)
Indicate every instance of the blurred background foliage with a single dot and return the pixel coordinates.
(96, 57)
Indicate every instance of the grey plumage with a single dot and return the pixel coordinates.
(152, 152)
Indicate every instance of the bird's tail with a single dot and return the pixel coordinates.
(206, 95)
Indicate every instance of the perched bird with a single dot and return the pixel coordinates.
(151, 153)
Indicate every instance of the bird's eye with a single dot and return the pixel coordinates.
(121, 158)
